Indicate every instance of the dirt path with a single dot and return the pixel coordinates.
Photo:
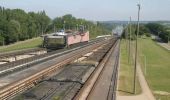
(146, 92)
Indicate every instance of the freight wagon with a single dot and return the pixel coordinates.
(65, 39)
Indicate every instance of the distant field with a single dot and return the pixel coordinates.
(126, 73)
(31, 43)
(158, 67)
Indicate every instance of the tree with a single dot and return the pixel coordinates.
(17, 25)
(43, 21)
(2, 40)
(159, 30)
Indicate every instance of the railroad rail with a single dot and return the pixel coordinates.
(113, 84)
(8, 57)
(68, 81)
(9, 68)
(88, 88)
(19, 52)
(11, 90)
(65, 84)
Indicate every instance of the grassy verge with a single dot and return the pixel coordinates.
(126, 73)
(157, 67)
(32, 43)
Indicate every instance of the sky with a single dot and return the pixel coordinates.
(96, 10)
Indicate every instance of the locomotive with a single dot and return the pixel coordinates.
(64, 39)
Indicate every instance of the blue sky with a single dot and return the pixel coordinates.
(96, 9)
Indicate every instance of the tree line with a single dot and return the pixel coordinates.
(18, 25)
(157, 29)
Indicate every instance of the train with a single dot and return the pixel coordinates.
(65, 39)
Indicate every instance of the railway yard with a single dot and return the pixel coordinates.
(57, 50)
(20, 54)
(63, 74)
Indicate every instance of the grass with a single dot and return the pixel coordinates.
(126, 73)
(57, 98)
(31, 43)
(158, 66)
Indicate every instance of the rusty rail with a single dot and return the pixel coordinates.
(88, 86)
(13, 89)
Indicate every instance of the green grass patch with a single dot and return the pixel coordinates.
(157, 66)
(57, 98)
(32, 43)
(126, 73)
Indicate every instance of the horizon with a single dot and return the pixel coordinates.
(90, 20)
(108, 10)
(93, 20)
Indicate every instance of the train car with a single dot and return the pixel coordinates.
(77, 37)
(65, 39)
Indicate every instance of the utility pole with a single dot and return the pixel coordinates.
(42, 32)
(168, 38)
(129, 40)
(145, 64)
(3, 42)
(3, 39)
(126, 36)
(136, 51)
(64, 26)
(77, 27)
(54, 28)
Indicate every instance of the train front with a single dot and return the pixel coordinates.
(55, 40)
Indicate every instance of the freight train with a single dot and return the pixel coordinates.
(64, 39)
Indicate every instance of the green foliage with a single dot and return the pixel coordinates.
(17, 25)
(126, 32)
(31, 43)
(155, 27)
(1, 40)
(108, 25)
(148, 29)
(159, 30)
(98, 29)
(70, 22)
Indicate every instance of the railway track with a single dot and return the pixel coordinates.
(8, 58)
(68, 82)
(73, 84)
(9, 91)
(9, 68)
(93, 88)
(113, 85)
(27, 51)
(20, 52)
